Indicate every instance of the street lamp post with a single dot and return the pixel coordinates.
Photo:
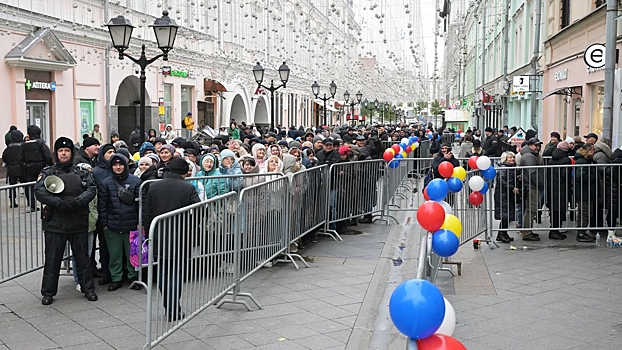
(346, 98)
(165, 30)
(258, 72)
(315, 88)
(372, 106)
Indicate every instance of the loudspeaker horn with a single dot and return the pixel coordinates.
(54, 184)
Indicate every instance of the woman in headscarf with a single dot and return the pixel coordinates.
(210, 188)
(259, 153)
(273, 165)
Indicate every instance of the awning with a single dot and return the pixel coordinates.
(328, 106)
(564, 91)
(213, 86)
(50, 53)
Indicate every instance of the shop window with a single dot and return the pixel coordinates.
(565, 13)
(87, 116)
(168, 105)
(186, 100)
(598, 103)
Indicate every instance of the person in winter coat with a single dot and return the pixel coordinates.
(506, 190)
(169, 194)
(552, 145)
(291, 165)
(328, 155)
(100, 173)
(558, 187)
(465, 146)
(118, 212)
(229, 166)
(37, 155)
(146, 148)
(584, 189)
(234, 132)
(533, 185)
(87, 154)
(93, 216)
(274, 164)
(249, 166)
(476, 150)
(144, 164)
(151, 136)
(435, 145)
(14, 158)
(491, 143)
(169, 133)
(114, 137)
(602, 155)
(210, 188)
(7, 136)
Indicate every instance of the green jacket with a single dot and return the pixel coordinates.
(235, 133)
(7, 138)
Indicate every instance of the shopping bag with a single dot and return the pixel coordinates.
(138, 251)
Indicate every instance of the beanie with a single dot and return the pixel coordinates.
(153, 157)
(89, 141)
(63, 142)
(125, 153)
(343, 150)
(168, 147)
(564, 146)
(178, 166)
(145, 160)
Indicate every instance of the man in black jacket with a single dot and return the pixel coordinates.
(88, 152)
(66, 218)
(328, 155)
(37, 155)
(491, 144)
(14, 158)
(169, 194)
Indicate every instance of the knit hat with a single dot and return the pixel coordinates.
(282, 143)
(178, 166)
(226, 153)
(145, 160)
(125, 153)
(257, 147)
(295, 144)
(317, 138)
(556, 135)
(159, 139)
(564, 146)
(343, 150)
(63, 142)
(168, 147)
(89, 141)
(146, 146)
(569, 139)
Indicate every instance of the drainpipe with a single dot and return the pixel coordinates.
(107, 77)
(610, 65)
(506, 42)
(482, 111)
(534, 64)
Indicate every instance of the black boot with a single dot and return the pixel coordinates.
(503, 237)
(367, 219)
(584, 237)
(556, 235)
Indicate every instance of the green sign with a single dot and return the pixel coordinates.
(465, 102)
(179, 73)
(176, 73)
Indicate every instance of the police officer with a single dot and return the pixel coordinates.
(66, 218)
(37, 155)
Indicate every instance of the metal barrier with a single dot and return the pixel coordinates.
(542, 198)
(194, 249)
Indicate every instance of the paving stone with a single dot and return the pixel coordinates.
(74, 338)
(229, 342)
(318, 342)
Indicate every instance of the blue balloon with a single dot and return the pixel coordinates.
(415, 138)
(455, 185)
(430, 136)
(394, 164)
(399, 156)
(412, 139)
(438, 137)
(417, 308)
(445, 243)
(484, 189)
(457, 135)
(437, 189)
(489, 173)
(403, 145)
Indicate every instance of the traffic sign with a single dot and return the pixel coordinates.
(520, 83)
(594, 56)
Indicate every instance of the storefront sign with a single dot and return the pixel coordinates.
(176, 73)
(591, 70)
(520, 83)
(40, 85)
(561, 75)
(594, 56)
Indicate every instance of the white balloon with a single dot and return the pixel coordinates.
(447, 207)
(483, 163)
(405, 140)
(476, 183)
(449, 322)
(416, 144)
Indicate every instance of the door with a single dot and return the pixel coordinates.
(37, 114)
(127, 122)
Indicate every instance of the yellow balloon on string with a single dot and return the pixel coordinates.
(460, 173)
(453, 224)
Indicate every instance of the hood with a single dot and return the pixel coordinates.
(152, 132)
(279, 169)
(171, 125)
(100, 155)
(34, 132)
(192, 167)
(257, 147)
(274, 146)
(356, 150)
(616, 157)
(146, 146)
(581, 153)
(530, 133)
(16, 136)
(602, 147)
(290, 164)
(214, 159)
(558, 154)
(119, 158)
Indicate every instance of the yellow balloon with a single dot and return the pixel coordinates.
(390, 150)
(136, 156)
(403, 153)
(453, 224)
(460, 173)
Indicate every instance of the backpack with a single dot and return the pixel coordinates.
(183, 123)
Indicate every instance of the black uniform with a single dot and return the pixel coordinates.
(66, 218)
(14, 158)
(37, 155)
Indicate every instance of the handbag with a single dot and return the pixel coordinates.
(125, 195)
(139, 254)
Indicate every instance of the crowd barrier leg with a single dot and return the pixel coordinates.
(332, 203)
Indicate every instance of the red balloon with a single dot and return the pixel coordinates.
(459, 131)
(473, 162)
(408, 149)
(446, 169)
(388, 156)
(431, 216)
(425, 194)
(476, 198)
(397, 148)
(440, 342)
(572, 161)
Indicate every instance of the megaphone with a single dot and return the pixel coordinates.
(54, 184)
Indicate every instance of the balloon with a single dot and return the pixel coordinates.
(438, 137)
(476, 198)
(430, 215)
(455, 185)
(460, 173)
(484, 189)
(458, 135)
(414, 139)
(405, 141)
(396, 148)
(473, 163)
(453, 224)
(399, 155)
(416, 144)
(403, 145)
(394, 164)
(417, 308)
(476, 183)
(440, 342)
(462, 134)
(408, 149)
(388, 156)
(390, 150)
(437, 189)
(459, 131)
(136, 156)
(483, 162)
(403, 154)
(489, 173)
(449, 322)
(446, 169)
(446, 207)
(430, 136)
(445, 243)
(425, 194)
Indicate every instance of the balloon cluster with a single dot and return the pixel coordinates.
(460, 134)
(477, 183)
(399, 151)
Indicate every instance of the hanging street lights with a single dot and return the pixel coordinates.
(165, 29)
(346, 98)
(258, 72)
(315, 88)
(372, 106)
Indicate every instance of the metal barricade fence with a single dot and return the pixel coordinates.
(193, 249)
(473, 218)
(22, 242)
(352, 190)
(584, 198)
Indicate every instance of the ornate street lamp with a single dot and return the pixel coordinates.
(165, 29)
(258, 73)
(315, 89)
(346, 98)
